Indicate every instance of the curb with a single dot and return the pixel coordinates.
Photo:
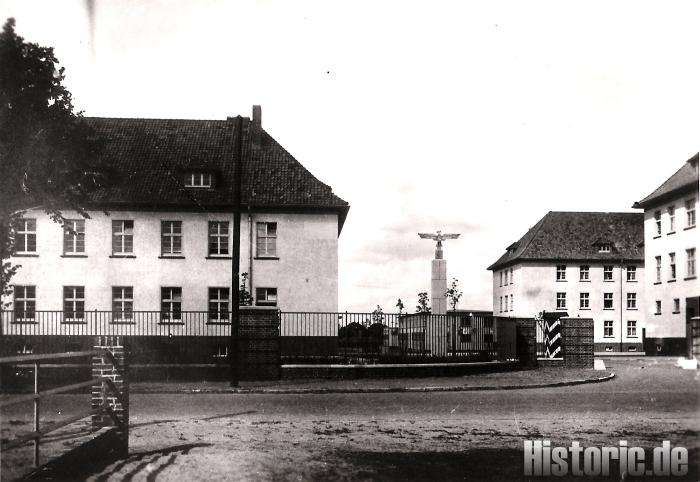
(320, 391)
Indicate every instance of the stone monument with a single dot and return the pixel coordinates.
(438, 281)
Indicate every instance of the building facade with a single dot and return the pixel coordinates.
(161, 238)
(671, 240)
(579, 264)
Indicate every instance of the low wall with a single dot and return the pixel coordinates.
(577, 344)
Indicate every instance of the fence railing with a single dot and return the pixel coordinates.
(38, 431)
(304, 336)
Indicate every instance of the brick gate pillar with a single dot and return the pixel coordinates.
(112, 364)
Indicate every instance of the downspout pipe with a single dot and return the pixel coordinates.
(621, 308)
(250, 251)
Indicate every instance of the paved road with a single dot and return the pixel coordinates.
(652, 389)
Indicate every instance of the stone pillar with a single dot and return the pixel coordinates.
(438, 286)
(259, 343)
(526, 341)
(577, 342)
(112, 364)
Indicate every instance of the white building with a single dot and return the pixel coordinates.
(160, 239)
(671, 240)
(584, 264)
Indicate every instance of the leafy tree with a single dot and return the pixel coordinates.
(378, 315)
(400, 306)
(422, 306)
(453, 293)
(244, 296)
(48, 154)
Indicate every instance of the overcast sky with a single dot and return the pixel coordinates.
(469, 117)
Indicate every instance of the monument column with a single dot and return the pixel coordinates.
(438, 277)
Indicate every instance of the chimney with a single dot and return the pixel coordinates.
(256, 126)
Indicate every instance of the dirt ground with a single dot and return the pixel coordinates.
(398, 449)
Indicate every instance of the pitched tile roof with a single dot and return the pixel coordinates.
(152, 156)
(685, 179)
(562, 236)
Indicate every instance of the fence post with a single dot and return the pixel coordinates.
(111, 363)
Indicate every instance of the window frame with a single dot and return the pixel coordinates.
(671, 210)
(676, 305)
(658, 268)
(609, 297)
(27, 234)
(608, 329)
(657, 223)
(631, 301)
(672, 272)
(218, 238)
(608, 272)
(121, 236)
(690, 267)
(223, 305)
(267, 290)
(28, 304)
(73, 237)
(690, 219)
(561, 272)
(122, 304)
(171, 235)
(511, 302)
(584, 301)
(631, 328)
(174, 300)
(77, 304)
(561, 300)
(584, 273)
(205, 180)
(631, 274)
(266, 240)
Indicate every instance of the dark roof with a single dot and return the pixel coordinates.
(684, 180)
(577, 236)
(151, 157)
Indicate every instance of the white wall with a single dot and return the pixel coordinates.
(669, 324)
(535, 289)
(306, 273)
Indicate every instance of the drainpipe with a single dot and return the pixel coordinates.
(250, 251)
(621, 308)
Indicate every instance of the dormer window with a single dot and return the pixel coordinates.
(604, 248)
(198, 179)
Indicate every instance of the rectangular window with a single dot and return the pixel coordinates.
(266, 239)
(608, 328)
(676, 305)
(671, 266)
(657, 222)
(561, 272)
(584, 301)
(198, 179)
(631, 273)
(74, 236)
(25, 303)
(500, 283)
(658, 269)
(605, 248)
(74, 303)
(266, 296)
(631, 301)
(122, 303)
(218, 304)
(171, 304)
(690, 212)
(218, 238)
(511, 302)
(658, 307)
(607, 301)
(25, 236)
(171, 238)
(607, 273)
(690, 256)
(122, 237)
(511, 276)
(561, 301)
(671, 219)
(506, 303)
(584, 273)
(631, 328)
(500, 299)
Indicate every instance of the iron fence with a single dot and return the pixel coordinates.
(305, 337)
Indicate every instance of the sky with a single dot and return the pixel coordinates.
(469, 117)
